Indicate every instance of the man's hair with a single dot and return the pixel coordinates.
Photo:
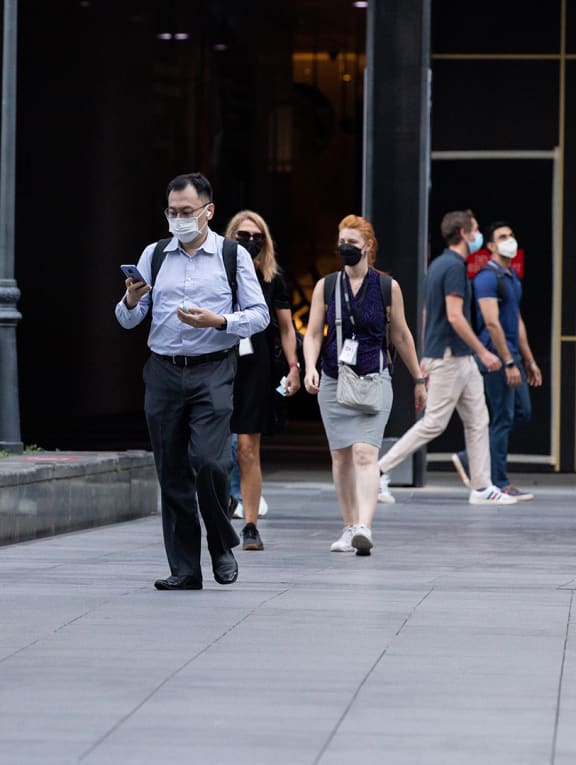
(451, 224)
(489, 233)
(199, 181)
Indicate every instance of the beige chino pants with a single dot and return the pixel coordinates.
(454, 383)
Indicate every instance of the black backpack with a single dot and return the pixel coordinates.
(386, 289)
(229, 256)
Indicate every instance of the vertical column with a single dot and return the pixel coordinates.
(397, 166)
(9, 293)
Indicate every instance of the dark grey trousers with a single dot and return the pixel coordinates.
(188, 415)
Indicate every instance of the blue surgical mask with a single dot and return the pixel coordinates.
(476, 243)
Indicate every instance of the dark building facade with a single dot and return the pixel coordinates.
(268, 99)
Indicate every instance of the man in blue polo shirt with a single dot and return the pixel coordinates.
(497, 296)
(454, 381)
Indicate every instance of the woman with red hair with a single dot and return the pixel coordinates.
(355, 436)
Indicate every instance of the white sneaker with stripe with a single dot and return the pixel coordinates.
(490, 496)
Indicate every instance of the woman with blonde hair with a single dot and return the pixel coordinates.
(354, 436)
(254, 389)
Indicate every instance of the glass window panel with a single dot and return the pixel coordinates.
(493, 26)
(494, 104)
(569, 264)
(571, 28)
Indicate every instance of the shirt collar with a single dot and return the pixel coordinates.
(209, 246)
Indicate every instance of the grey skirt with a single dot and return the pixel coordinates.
(345, 426)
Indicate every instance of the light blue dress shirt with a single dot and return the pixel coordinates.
(197, 280)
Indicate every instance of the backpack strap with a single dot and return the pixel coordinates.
(230, 258)
(386, 289)
(157, 259)
(501, 289)
(329, 286)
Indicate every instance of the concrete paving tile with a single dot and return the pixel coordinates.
(129, 751)
(37, 753)
(444, 647)
(441, 749)
(515, 723)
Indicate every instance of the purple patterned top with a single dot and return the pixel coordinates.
(370, 326)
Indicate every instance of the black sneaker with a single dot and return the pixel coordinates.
(251, 538)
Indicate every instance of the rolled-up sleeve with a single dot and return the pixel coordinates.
(252, 315)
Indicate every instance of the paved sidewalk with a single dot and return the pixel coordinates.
(453, 644)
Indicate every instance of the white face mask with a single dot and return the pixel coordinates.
(186, 229)
(508, 248)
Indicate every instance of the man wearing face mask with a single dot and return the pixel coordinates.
(189, 377)
(454, 380)
(497, 296)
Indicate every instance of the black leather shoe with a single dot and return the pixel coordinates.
(178, 583)
(225, 568)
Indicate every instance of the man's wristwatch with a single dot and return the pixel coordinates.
(419, 381)
(223, 326)
(509, 364)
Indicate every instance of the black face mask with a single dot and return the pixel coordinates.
(350, 254)
(252, 247)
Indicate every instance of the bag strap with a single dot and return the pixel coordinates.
(332, 282)
(338, 317)
(157, 259)
(501, 289)
(229, 256)
(386, 289)
(329, 286)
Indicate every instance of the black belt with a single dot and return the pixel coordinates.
(190, 361)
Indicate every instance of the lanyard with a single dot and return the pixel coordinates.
(362, 295)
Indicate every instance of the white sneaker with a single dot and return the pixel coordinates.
(362, 540)
(262, 507)
(490, 496)
(384, 491)
(344, 543)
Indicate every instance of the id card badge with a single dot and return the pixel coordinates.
(349, 352)
(245, 347)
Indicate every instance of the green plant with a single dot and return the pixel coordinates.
(30, 449)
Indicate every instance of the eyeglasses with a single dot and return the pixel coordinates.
(247, 236)
(187, 212)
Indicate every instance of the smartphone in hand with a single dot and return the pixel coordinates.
(132, 271)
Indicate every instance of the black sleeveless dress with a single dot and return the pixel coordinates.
(257, 405)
